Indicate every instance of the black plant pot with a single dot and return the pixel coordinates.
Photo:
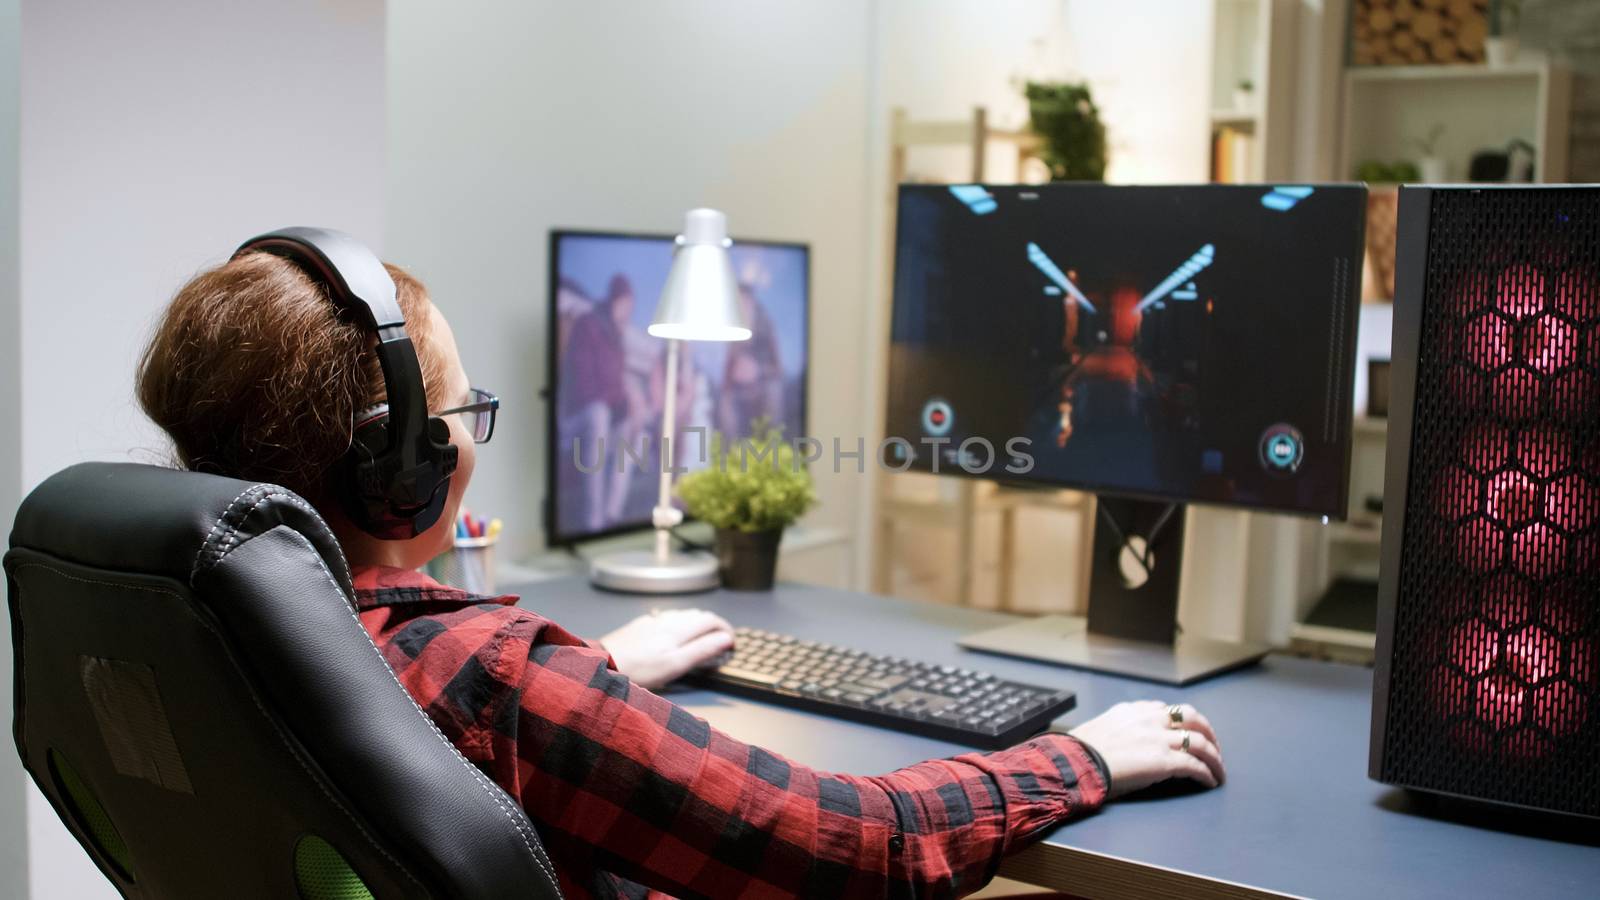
(747, 561)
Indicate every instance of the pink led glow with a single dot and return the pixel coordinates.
(1570, 503)
(1512, 498)
(1549, 344)
(1533, 655)
(1472, 737)
(1538, 551)
(1514, 393)
(1593, 356)
(1486, 342)
(1499, 701)
(1544, 451)
(1457, 494)
(1480, 545)
(1485, 447)
(1519, 291)
(1559, 708)
(1505, 600)
(1526, 744)
(1474, 647)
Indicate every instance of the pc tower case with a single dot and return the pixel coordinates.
(1487, 682)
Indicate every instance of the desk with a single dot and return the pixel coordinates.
(1298, 815)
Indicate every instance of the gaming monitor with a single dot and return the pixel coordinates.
(606, 373)
(1192, 344)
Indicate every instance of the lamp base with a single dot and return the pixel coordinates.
(639, 572)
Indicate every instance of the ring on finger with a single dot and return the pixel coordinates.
(1175, 715)
(1185, 745)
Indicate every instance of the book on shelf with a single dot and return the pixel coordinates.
(1231, 152)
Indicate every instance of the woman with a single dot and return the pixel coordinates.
(253, 375)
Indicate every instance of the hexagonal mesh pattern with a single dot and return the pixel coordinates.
(1495, 681)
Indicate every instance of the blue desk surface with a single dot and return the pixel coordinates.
(1297, 816)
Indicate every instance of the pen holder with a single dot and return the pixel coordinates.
(469, 565)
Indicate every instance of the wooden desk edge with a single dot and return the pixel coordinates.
(1089, 874)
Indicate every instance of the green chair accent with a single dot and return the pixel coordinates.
(322, 874)
(90, 815)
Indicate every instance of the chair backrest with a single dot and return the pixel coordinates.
(197, 699)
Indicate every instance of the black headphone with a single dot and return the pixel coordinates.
(396, 474)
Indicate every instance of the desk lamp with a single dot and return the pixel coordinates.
(699, 303)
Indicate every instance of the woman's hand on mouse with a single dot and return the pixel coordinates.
(1147, 742)
(654, 649)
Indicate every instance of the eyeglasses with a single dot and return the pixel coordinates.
(478, 415)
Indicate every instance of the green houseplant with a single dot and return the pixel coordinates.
(753, 489)
(1064, 116)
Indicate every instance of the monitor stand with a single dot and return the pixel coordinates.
(1132, 627)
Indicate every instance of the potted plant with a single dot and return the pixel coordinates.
(1244, 94)
(1500, 47)
(1430, 165)
(751, 491)
(1065, 118)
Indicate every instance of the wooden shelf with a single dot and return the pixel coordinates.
(1445, 72)
(1238, 118)
(1351, 534)
(1371, 426)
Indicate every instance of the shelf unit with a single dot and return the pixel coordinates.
(1252, 40)
(1387, 108)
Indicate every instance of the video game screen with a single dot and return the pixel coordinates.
(608, 374)
(1186, 343)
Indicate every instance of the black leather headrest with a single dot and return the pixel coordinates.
(159, 521)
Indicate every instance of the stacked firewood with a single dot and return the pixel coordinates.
(1410, 32)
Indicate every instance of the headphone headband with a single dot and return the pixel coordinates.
(399, 464)
(356, 279)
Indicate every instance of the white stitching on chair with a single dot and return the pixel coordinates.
(495, 792)
(288, 745)
(270, 491)
(213, 533)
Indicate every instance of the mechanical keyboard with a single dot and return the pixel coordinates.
(955, 704)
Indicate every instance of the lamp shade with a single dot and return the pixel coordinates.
(701, 299)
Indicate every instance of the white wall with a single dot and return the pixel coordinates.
(154, 138)
(1149, 63)
(13, 784)
(508, 118)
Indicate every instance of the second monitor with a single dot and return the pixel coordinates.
(607, 373)
(1179, 343)
(1156, 346)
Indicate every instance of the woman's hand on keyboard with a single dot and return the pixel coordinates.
(653, 650)
(1148, 742)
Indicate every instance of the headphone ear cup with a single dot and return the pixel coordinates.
(448, 454)
(362, 490)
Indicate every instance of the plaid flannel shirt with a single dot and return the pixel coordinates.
(633, 795)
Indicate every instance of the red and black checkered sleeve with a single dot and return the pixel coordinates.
(634, 784)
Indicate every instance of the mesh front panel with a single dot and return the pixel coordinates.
(1494, 688)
